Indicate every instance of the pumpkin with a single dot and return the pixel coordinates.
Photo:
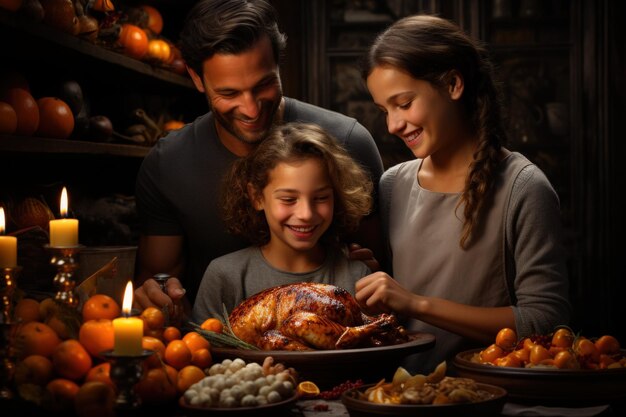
(55, 118)
(133, 40)
(25, 108)
(32, 212)
(159, 49)
(155, 20)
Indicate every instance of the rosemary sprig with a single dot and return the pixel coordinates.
(225, 339)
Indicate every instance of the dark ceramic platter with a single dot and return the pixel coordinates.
(362, 408)
(566, 387)
(328, 368)
(276, 409)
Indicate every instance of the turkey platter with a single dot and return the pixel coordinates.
(311, 316)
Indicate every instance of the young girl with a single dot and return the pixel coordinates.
(474, 230)
(294, 198)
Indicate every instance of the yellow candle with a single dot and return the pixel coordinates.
(8, 246)
(64, 232)
(128, 330)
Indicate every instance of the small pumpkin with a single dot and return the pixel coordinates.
(32, 212)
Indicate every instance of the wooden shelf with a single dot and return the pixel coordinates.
(49, 35)
(23, 144)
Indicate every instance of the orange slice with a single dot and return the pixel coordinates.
(307, 389)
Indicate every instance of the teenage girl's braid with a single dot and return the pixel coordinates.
(487, 119)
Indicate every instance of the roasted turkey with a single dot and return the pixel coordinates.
(307, 316)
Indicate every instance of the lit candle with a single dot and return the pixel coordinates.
(128, 330)
(64, 232)
(8, 246)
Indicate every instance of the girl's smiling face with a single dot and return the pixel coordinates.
(423, 116)
(298, 202)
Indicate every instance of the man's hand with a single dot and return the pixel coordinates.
(150, 294)
(365, 255)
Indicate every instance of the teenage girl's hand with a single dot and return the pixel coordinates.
(150, 294)
(379, 293)
(365, 255)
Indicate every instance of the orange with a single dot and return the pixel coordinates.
(95, 399)
(158, 386)
(153, 318)
(177, 354)
(213, 325)
(100, 306)
(101, 373)
(171, 333)
(307, 389)
(607, 344)
(33, 369)
(60, 327)
(202, 358)
(173, 124)
(56, 119)
(8, 119)
(155, 345)
(96, 336)
(71, 360)
(25, 108)
(12, 5)
(26, 310)
(188, 376)
(134, 41)
(63, 392)
(155, 19)
(36, 338)
(195, 341)
(157, 333)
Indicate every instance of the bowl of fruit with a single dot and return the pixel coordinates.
(559, 368)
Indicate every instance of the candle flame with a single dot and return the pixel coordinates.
(64, 202)
(2, 221)
(127, 304)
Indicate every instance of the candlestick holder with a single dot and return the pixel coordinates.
(8, 284)
(65, 259)
(125, 372)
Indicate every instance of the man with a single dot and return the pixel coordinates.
(232, 50)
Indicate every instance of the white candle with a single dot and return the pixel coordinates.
(8, 246)
(128, 330)
(64, 232)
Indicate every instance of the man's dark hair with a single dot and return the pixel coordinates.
(228, 27)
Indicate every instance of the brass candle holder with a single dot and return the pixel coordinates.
(7, 324)
(65, 259)
(125, 372)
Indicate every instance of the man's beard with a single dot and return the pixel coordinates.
(230, 128)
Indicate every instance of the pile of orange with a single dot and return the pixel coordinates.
(71, 372)
(561, 349)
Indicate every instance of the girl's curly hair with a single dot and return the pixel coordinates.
(352, 186)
